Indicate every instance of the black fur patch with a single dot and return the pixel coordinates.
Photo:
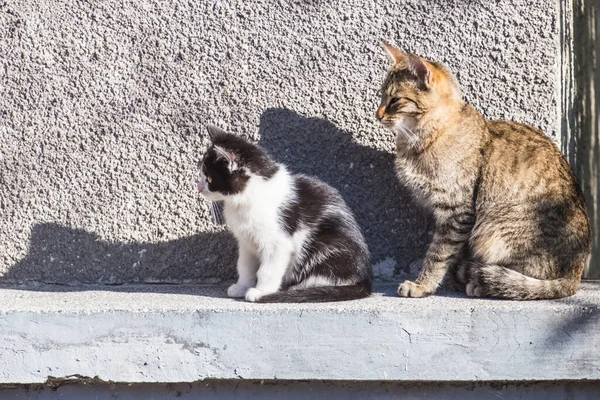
(332, 234)
(220, 178)
(335, 238)
(247, 154)
(320, 294)
(312, 197)
(227, 175)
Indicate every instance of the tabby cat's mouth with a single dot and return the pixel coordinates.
(387, 123)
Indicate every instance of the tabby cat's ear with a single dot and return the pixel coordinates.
(420, 70)
(395, 56)
(214, 132)
(414, 64)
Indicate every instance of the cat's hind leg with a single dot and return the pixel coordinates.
(514, 259)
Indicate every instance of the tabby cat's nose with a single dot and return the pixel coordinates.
(380, 113)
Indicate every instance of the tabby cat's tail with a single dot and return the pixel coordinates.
(319, 294)
(500, 282)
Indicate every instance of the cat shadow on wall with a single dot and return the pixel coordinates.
(393, 226)
(394, 229)
(67, 256)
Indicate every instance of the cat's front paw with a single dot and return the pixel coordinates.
(411, 289)
(237, 291)
(253, 294)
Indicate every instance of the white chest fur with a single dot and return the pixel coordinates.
(253, 216)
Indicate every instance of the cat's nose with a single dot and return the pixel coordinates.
(380, 113)
(202, 186)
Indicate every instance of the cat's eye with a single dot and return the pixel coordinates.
(209, 179)
(393, 101)
(397, 100)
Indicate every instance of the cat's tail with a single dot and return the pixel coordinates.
(319, 294)
(503, 283)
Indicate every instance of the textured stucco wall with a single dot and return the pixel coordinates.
(102, 104)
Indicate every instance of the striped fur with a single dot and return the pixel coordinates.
(510, 219)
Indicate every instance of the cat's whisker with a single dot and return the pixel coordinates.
(212, 211)
(404, 130)
(219, 213)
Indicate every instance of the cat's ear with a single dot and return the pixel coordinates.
(419, 69)
(214, 133)
(231, 158)
(394, 55)
(414, 64)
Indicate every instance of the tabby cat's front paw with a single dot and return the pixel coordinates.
(411, 289)
(236, 290)
(253, 294)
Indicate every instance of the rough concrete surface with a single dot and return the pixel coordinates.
(232, 389)
(102, 105)
(185, 333)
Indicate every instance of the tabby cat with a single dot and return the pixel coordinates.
(510, 219)
(298, 240)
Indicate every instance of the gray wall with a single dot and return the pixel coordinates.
(102, 106)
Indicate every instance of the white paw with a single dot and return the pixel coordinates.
(253, 294)
(237, 290)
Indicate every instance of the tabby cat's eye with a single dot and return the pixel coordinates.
(209, 179)
(393, 101)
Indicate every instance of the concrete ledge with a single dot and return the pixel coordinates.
(190, 333)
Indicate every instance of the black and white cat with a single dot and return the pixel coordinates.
(298, 240)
